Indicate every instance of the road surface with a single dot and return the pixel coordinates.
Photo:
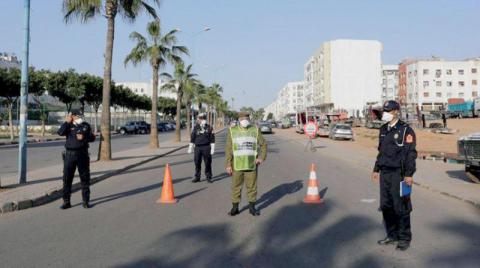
(126, 228)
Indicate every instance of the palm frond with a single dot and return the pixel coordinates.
(82, 10)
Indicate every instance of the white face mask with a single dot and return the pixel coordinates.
(203, 122)
(387, 117)
(78, 121)
(244, 123)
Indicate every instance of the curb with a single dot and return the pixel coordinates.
(56, 193)
(468, 201)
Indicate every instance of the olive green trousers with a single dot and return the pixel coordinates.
(250, 179)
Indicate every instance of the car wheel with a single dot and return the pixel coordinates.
(142, 131)
(123, 131)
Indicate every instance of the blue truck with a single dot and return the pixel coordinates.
(462, 110)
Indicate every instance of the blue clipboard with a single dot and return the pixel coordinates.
(405, 189)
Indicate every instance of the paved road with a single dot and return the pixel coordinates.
(126, 228)
(45, 154)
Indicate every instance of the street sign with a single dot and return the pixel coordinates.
(311, 129)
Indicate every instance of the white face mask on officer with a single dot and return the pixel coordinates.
(387, 117)
(203, 122)
(78, 121)
(244, 123)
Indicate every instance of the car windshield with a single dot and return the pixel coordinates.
(344, 127)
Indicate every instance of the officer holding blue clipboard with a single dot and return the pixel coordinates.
(394, 168)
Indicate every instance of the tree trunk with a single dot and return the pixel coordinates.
(43, 126)
(177, 116)
(106, 149)
(10, 119)
(189, 121)
(96, 121)
(153, 119)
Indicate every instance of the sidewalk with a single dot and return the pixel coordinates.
(444, 178)
(45, 185)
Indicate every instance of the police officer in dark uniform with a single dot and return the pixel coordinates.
(395, 163)
(78, 134)
(203, 140)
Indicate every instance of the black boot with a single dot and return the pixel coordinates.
(195, 180)
(253, 210)
(86, 204)
(234, 211)
(403, 245)
(66, 205)
(387, 241)
(209, 180)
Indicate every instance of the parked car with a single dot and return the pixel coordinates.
(469, 151)
(341, 131)
(323, 132)
(265, 127)
(162, 127)
(135, 127)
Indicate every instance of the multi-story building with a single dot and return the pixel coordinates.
(345, 73)
(9, 61)
(430, 83)
(290, 100)
(389, 82)
(142, 88)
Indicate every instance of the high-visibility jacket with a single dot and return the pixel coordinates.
(244, 147)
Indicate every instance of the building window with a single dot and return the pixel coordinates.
(438, 73)
(474, 82)
(425, 94)
(474, 93)
(438, 83)
(460, 94)
(141, 90)
(449, 94)
(449, 72)
(425, 83)
(449, 83)
(474, 70)
(461, 83)
(438, 94)
(425, 71)
(460, 72)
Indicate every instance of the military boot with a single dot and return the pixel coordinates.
(253, 210)
(234, 211)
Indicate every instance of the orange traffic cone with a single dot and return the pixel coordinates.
(167, 188)
(312, 192)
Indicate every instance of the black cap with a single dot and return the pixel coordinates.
(391, 105)
(76, 112)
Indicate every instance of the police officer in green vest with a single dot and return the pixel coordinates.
(244, 142)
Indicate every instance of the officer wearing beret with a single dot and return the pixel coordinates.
(242, 161)
(78, 134)
(203, 140)
(395, 163)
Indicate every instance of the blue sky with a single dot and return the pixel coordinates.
(255, 46)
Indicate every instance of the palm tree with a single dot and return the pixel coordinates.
(212, 95)
(192, 93)
(160, 50)
(84, 10)
(182, 78)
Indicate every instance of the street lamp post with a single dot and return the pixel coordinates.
(22, 143)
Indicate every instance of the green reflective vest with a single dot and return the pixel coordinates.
(244, 143)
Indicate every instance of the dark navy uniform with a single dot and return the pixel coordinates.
(76, 155)
(395, 161)
(203, 137)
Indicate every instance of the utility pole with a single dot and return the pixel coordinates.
(22, 143)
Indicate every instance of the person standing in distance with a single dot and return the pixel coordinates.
(203, 140)
(78, 134)
(242, 161)
(395, 163)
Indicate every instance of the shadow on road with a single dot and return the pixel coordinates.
(278, 244)
(459, 175)
(278, 193)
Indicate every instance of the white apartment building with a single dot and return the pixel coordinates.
(9, 61)
(389, 82)
(290, 100)
(346, 73)
(142, 88)
(430, 83)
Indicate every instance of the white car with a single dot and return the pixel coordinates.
(341, 131)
